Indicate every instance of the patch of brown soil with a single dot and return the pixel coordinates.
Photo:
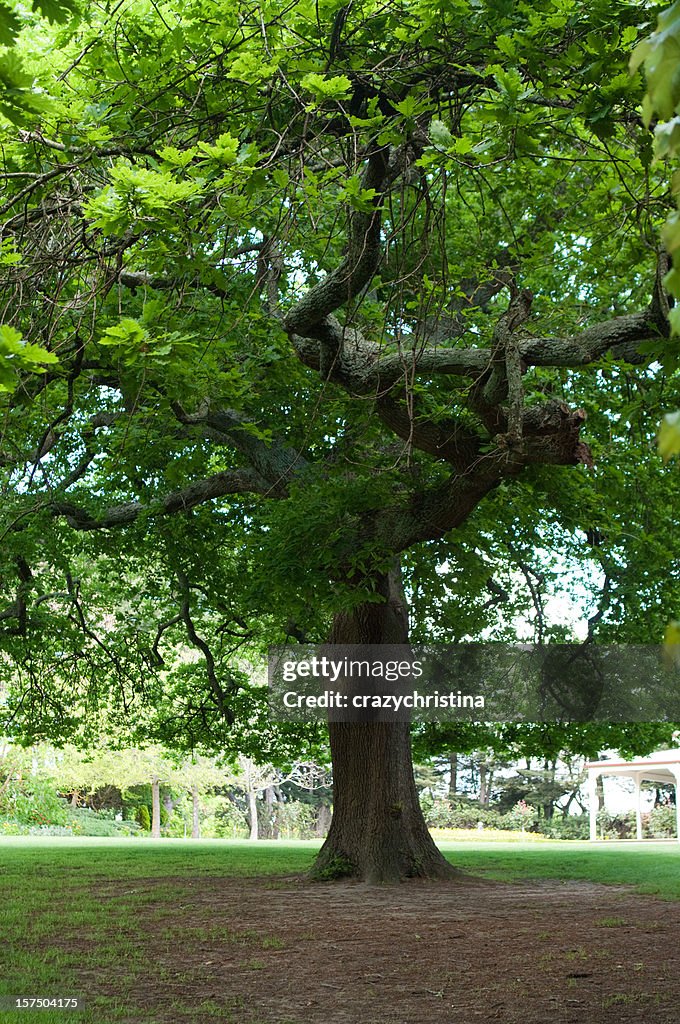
(275, 951)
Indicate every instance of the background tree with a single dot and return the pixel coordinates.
(199, 774)
(87, 771)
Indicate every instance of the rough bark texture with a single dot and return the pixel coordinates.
(378, 832)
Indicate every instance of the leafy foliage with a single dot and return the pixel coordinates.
(316, 290)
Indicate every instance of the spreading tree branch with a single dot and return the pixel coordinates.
(238, 481)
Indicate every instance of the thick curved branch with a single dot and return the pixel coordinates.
(272, 460)
(449, 440)
(358, 266)
(237, 481)
(550, 436)
(362, 368)
(621, 336)
(157, 657)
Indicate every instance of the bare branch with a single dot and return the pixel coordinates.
(219, 693)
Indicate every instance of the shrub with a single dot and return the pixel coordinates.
(143, 818)
(572, 827)
(522, 816)
(616, 826)
(662, 823)
(85, 822)
(49, 830)
(13, 828)
(227, 821)
(177, 826)
(443, 814)
(35, 802)
(296, 820)
(465, 814)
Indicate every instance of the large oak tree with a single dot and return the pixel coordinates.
(330, 288)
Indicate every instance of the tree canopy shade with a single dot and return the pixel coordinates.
(326, 288)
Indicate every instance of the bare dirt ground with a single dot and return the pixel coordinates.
(286, 950)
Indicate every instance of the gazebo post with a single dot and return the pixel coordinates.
(592, 802)
(676, 774)
(638, 805)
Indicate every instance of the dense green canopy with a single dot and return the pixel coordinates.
(312, 287)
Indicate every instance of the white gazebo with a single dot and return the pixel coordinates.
(663, 766)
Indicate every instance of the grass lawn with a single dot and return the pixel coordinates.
(653, 869)
(66, 902)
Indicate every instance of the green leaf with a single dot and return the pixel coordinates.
(667, 138)
(13, 73)
(127, 332)
(671, 645)
(440, 134)
(670, 232)
(409, 106)
(506, 45)
(17, 354)
(33, 357)
(10, 339)
(225, 149)
(672, 284)
(629, 35)
(55, 10)
(177, 157)
(669, 436)
(248, 67)
(660, 54)
(9, 26)
(9, 257)
(359, 198)
(324, 88)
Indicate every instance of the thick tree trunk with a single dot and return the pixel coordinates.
(155, 809)
(483, 787)
(599, 786)
(274, 801)
(323, 821)
(195, 816)
(252, 814)
(453, 776)
(270, 829)
(378, 832)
